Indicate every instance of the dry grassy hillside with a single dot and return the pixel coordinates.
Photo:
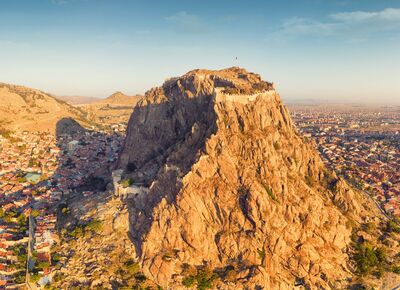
(26, 109)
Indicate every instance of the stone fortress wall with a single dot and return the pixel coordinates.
(126, 192)
(219, 96)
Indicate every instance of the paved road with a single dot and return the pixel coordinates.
(377, 204)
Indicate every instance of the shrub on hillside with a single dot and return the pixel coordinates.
(369, 258)
(277, 146)
(309, 181)
(35, 213)
(93, 226)
(203, 279)
(126, 182)
(391, 226)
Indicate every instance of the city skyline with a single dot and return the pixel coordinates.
(336, 51)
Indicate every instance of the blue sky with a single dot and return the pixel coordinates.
(312, 49)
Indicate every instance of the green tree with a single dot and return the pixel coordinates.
(22, 219)
(392, 226)
(369, 258)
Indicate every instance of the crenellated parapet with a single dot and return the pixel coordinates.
(221, 96)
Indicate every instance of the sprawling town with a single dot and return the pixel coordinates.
(37, 170)
(360, 143)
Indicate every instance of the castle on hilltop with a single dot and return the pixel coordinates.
(221, 95)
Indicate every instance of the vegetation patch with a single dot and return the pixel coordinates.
(202, 277)
(93, 226)
(9, 135)
(132, 277)
(309, 181)
(126, 182)
(65, 210)
(392, 227)
(269, 191)
(35, 213)
(261, 254)
(20, 252)
(370, 259)
(19, 277)
(358, 184)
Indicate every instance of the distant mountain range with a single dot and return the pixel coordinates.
(118, 98)
(78, 100)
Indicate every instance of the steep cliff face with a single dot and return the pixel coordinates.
(233, 189)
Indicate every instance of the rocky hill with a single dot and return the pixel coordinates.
(216, 189)
(234, 197)
(23, 108)
(119, 98)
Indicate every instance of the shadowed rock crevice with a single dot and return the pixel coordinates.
(167, 158)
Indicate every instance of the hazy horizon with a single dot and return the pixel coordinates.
(341, 51)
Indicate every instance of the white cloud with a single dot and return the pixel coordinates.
(354, 27)
(356, 40)
(65, 2)
(60, 2)
(188, 23)
(387, 15)
(301, 26)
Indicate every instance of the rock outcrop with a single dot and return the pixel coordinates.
(234, 189)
